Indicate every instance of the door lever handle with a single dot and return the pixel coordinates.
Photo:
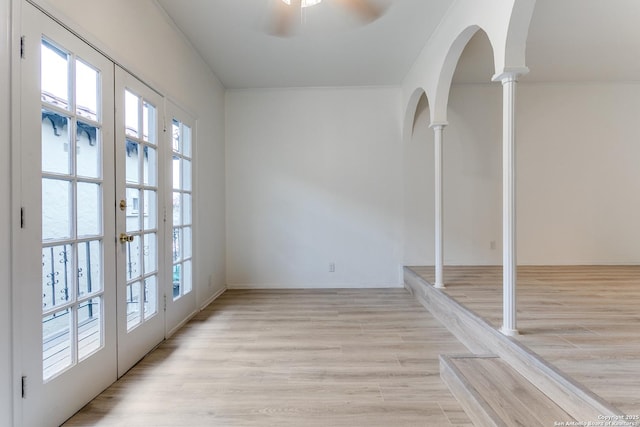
(124, 237)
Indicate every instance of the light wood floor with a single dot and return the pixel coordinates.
(584, 320)
(292, 358)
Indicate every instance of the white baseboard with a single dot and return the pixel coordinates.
(314, 285)
(180, 325)
(190, 316)
(213, 297)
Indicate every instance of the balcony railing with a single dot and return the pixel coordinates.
(58, 326)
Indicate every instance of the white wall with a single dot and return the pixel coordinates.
(473, 176)
(472, 181)
(6, 382)
(297, 180)
(579, 173)
(577, 176)
(140, 37)
(314, 177)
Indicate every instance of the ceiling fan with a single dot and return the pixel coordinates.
(287, 13)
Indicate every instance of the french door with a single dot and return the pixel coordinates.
(93, 273)
(66, 246)
(181, 300)
(139, 219)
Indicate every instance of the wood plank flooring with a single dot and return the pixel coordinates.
(292, 358)
(497, 395)
(585, 320)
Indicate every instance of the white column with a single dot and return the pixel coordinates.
(438, 130)
(509, 261)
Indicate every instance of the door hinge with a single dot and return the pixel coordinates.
(22, 47)
(165, 302)
(21, 217)
(24, 386)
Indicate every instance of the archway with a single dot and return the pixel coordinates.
(418, 160)
(472, 159)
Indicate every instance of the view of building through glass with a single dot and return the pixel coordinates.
(72, 223)
(182, 209)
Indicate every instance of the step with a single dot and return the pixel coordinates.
(480, 337)
(493, 394)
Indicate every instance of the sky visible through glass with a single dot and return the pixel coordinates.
(56, 79)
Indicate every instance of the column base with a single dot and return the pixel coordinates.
(439, 286)
(509, 332)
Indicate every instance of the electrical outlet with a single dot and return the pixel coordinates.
(492, 245)
(332, 267)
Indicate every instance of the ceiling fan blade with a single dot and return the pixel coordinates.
(285, 17)
(364, 9)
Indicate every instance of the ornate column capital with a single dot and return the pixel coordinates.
(510, 74)
(438, 125)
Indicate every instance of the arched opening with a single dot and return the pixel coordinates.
(418, 181)
(473, 160)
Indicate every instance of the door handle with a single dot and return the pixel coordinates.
(124, 237)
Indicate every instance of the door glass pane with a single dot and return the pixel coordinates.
(177, 208)
(176, 172)
(88, 151)
(89, 327)
(133, 258)
(133, 210)
(187, 277)
(150, 296)
(131, 114)
(142, 158)
(89, 210)
(132, 162)
(133, 305)
(186, 175)
(89, 267)
(54, 78)
(56, 209)
(86, 91)
(186, 141)
(57, 278)
(72, 208)
(182, 208)
(56, 343)
(150, 253)
(186, 209)
(186, 242)
(149, 166)
(56, 153)
(150, 209)
(149, 123)
(177, 243)
(177, 280)
(175, 136)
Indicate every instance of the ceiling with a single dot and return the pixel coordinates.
(330, 48)
(569, 40)
(584, 40)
